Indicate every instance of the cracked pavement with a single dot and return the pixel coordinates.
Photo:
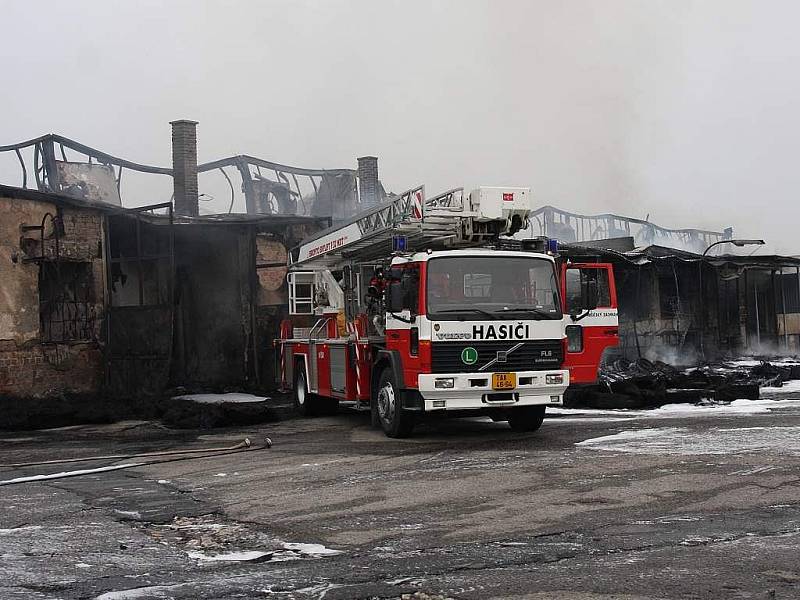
(464, 509)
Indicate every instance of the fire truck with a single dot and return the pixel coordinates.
(421, 307)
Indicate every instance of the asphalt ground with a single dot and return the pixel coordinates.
(595, 505)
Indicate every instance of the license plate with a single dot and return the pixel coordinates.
(504, 381)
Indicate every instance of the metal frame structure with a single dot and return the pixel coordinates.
(546, 220)
(48, 149)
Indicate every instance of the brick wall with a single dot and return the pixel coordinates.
(39, 371)
(184, 167)
(368, 180)
(28, 367)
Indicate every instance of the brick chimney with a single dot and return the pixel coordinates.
(184, 167)
(368, 181)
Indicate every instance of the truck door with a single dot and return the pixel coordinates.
(402, 328)
(589, 298)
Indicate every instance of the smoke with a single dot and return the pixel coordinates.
(681, 110)
(766, 350)
(677, 357)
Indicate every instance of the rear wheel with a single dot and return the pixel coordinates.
(526, 418)
(305, 403)
(395, 422)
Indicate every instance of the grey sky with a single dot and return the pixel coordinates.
(683, 110)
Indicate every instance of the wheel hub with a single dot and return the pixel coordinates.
(386, 402)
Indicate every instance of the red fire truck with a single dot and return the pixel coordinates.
(421, 307)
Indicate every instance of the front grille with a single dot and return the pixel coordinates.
(446, 357)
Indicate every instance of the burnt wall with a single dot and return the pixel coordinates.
(212, 312)
(271, 293)
(664, 316)
(51, 300)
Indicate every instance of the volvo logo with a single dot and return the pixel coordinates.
(502, 356)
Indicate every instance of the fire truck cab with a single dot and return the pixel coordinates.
(416, 308)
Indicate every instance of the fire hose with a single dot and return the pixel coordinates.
(176, 455)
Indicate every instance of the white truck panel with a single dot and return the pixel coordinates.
(501, 202)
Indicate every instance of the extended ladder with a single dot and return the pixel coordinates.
(444, 221)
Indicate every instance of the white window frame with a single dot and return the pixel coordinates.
(295, 279)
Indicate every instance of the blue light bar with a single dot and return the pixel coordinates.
(399, 243)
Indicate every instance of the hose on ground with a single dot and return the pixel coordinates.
(207, 453)
(246, 443)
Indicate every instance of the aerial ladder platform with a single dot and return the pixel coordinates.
(411, 223)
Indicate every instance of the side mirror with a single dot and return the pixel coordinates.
(395, 300)
(373, 292)
(590, 300)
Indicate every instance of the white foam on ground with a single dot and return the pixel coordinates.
(587, 411)
(19, 529)
(789, 387)
(311, 549)
(684, 441)
(221, 398)
(150, 591)
(135, 514)
(230, 556)
(744, 362)
(748, 407)
(672, 411)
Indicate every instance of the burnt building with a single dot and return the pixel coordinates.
(104, 308)
(101, 304)
(682, 307)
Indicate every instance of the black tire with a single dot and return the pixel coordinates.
(306, 404)
(395, 422)
(526, 418)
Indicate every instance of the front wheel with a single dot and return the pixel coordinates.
(526, 418)
(395, 422)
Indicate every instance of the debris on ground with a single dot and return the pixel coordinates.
(190, 411)
(211, 538)
(649, 384)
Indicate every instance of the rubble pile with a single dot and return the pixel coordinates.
(649, 384)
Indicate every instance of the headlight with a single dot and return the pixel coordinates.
(445, 383)
(555, 379)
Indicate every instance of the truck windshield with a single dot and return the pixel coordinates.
(501, 286)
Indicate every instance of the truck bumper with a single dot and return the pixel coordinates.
(474, 391)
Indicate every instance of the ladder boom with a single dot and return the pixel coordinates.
(449, 220)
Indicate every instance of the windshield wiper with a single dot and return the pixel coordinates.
(481, 311)
(527, 309)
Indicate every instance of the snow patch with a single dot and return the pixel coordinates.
(231, 556)
(150, 591)
(737, 406)
(788, 387)
(683, 441)
(670, 411)
(312, 550)
(134, 514)
(744, 362)
(17, 529)
(588, 411)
